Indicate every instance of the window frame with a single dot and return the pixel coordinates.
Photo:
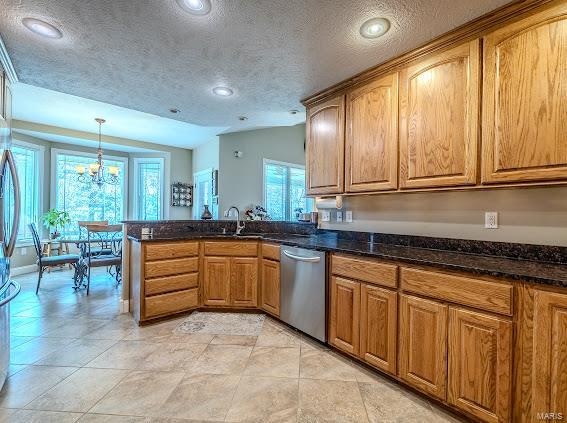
(40, 162)
(288, 214)
(53, 190)
(164, 197)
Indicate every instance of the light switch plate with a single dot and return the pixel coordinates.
(348, 216)
(491, 220)
(325, 216)
(339, 216)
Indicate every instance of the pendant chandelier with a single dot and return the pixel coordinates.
(97, 173)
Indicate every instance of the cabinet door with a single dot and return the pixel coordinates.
(216, 281)
(549, 391)
(243, 281)
(378, 327)
(345, 314)
(371, 156)
(439, 117)
(480, 360)
(270, 292)
(325, 147)
(524, 99)
(423, 344)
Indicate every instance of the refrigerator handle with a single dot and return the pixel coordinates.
(9, 163)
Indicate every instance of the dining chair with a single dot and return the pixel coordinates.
(45, 262)
(84, 223)
(103, 249)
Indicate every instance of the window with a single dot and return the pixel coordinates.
(84, 200)
(149, 188)
(284, 190)
(28, 166)
(203, 193)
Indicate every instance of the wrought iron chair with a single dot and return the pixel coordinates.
(103, 248)
(45, 262)
(84, 223)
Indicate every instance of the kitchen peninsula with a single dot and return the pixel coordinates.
(422, 310)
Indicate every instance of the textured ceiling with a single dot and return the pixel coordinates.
(150, 55)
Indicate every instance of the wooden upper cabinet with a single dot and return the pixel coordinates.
(439, 119)
(244, 281)
(549, 380)
(371, 154)
(378, 327)
(344, 331)
(216, 281)
(423, 345)
(480, 362)
(525, 99)
(325, 146)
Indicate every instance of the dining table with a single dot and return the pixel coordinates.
(79, 279)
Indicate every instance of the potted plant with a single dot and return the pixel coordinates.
(55, 220)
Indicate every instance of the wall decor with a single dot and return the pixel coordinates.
(181, 194)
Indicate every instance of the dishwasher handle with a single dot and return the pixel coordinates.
(301, 258)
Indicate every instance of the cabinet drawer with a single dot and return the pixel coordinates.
(231, 248)
(171, 250)
(271, 251)
(171, 267)
(171, 283)
(477, 293)
(365, 270)
(172, 302)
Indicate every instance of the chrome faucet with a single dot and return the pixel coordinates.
(239, 226)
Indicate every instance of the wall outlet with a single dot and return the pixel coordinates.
(325, 216)
(348, 216)
(491, 220)
(24, 251)
(339, 216)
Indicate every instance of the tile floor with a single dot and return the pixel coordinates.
(75, 358)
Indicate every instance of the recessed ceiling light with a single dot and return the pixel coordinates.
(42, 28)
(242, 118)
(294, 112)
(374, 28)
(174, 111)
(223, 91)
(195, 7)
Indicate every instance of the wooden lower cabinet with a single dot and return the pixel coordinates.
(345, 313)
(549, 375)
(243, 281)
(216, 281)
(423, 344)
(480, 360)
(270, 287)
(378, 327)
(230, 281)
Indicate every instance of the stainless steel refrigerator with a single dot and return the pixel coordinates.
(9, 221)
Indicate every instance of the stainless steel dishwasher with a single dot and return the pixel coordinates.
(303, 290)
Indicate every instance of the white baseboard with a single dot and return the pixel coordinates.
(22, 270)
(124, 306)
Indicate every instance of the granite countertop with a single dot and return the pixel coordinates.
(525, 270)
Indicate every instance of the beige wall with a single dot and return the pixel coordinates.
(180, 169)
(526, 215)
(240, 179)
(206, 156)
